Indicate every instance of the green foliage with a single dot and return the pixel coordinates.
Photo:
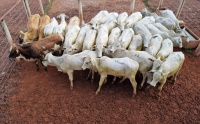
(25, 30)
(48, 7)
(149, 5)
(188, 50)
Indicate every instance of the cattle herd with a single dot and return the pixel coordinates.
(110, 43)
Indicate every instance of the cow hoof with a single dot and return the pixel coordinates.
(140, 87)
(96, 93)
(71, 88)
(134, 95)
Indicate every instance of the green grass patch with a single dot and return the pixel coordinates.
(188, 50)
(149, 5)
(48, 7)
(25, 30)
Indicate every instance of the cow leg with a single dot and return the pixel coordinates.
(37, 65)
(88, 75)
(100, 83)
(114, 79)
(161, 86)
(92, 76)
(174, 77)
(92, 79)
(105, 81)
(144, 76)
(45, 67)
(134, 84)
(70, 74)
(122, 80)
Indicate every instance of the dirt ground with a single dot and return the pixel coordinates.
(45, 97)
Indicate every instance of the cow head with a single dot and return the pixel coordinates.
(179, 42)
(87, 63)
(158, 76)
(184, 36)
(72, 50)
(14, 51)
(22, 37)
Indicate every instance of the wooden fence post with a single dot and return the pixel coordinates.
(197, 51)
(27, 8)
(6, 31)
(160, 4)
(132, 6)
(182, 2)
(41, 7)
(80, 12)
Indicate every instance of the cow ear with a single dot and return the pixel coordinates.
(21, 34)
(90, 23)
(84, 58)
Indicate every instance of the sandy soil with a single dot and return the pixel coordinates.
(41, 97)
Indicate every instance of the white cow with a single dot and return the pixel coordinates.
(177, 41)
(147, 20)
(109, 25)
(162, 28)
(61, 28)
(109, 16)
(113, 66)
(74, 21)
(133, 19)
(144, 32)
(165, 50)
(101, 40)
(154, 45)
(182, 33)
(89, 40)
(94, 22)
(124, 40)
(77, 47)
(169, 14)
(70, 37)
(68, 63)
(167, 22)
(115, 34)
(170, 67)
(144, 59)
(154, 30)
(136, 43)
(121, 20)
(48, 29)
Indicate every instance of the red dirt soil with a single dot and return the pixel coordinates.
(42, 97)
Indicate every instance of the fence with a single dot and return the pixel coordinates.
(189, 13)
(15, 20)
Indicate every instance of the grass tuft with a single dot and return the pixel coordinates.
(188, 50)
(149, 5)
(48, 7)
